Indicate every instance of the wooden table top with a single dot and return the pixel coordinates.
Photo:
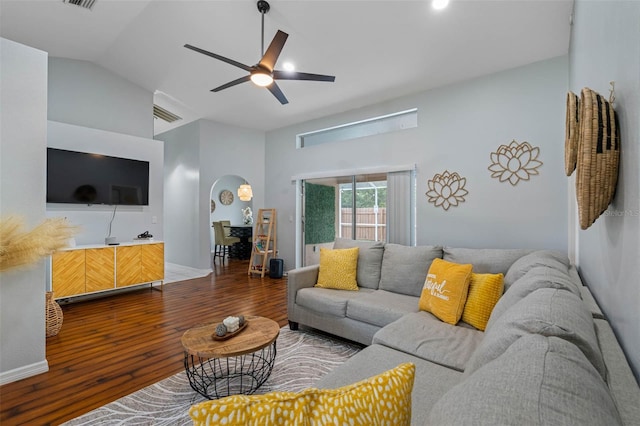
(259, 333)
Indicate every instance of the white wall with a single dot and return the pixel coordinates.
(88, 95)
(229, 150)
(23, 138)
(458, 127)
(605, 46)
(196, 156)
(129, 221)
(181, 184)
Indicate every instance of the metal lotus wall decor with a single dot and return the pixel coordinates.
(515, 162)
(446, 189)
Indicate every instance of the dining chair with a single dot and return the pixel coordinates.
(222, 241)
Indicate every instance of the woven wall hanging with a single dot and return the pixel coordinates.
(515, 162)
(571, 133)
(446, 189)
(598, 156)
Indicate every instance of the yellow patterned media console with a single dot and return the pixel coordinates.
(384, 399)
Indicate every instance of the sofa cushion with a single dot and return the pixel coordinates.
(445, 290)
(338, 269)
(369, 260)
(537, 381)
(485, 261)
(590, 301)
(484, 292)
(328, 301)
(423, 335)
(404, 268)
(534, 279)
(381, 307)
(548, 258)
(622, 383)
(548, 312)
(377, 400)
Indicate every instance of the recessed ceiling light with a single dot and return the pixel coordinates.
(439, 4)
(288, 66)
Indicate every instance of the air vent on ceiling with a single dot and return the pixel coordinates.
(87, 4)
(169, 117)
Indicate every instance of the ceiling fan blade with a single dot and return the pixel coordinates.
(221, 58)
(232, 83)
(292, 75)
(273, 51)
(275, 89)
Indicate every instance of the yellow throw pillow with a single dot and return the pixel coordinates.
(445, 290)
(382, 399)
(338, 269)
(484, 292)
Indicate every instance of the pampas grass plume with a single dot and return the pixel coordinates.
(20, 248)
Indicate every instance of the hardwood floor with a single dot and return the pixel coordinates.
(115, 345)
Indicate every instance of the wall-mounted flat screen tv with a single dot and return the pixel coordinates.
(85, 178)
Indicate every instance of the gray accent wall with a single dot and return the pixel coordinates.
(458, 127)
(23, 140)
(89, 95)
(196, 156)
(605, 46)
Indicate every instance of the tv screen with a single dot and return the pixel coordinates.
(84, 178)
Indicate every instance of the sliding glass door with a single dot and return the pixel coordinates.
(356, 207)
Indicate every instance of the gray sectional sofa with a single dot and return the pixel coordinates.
(548, 356)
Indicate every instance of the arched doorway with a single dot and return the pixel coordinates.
(225, 204)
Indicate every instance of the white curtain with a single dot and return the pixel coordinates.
(400, 208)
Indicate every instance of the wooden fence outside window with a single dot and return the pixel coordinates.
(366, 226)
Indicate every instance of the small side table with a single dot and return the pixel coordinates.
(238, 365)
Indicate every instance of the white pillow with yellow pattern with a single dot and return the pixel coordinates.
(382, 399)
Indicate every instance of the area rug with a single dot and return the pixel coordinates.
(302, 358)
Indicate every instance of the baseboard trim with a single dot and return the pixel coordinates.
(23, 372)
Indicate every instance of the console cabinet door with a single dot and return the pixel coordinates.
(100, 266)
(152, 262)
(128, 265)
(68, 273)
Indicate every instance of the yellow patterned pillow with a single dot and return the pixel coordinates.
(338, 269)
(445, 290)
(484, 292)
(384, 399)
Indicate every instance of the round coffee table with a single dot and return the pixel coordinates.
(238, 365)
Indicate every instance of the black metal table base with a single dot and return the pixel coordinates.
(219, 377)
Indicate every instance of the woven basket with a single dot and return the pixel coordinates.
(53, 315)
(571, 133)
(598, 156)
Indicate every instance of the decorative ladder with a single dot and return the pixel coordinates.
(264, 241)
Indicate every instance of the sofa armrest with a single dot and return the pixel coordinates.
(299, 278)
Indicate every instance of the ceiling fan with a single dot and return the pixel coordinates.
(263, 73)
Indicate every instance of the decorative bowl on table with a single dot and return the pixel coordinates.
(229, 327)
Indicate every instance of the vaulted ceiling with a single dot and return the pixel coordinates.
(377, 50)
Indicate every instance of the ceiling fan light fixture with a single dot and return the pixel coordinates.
(261, 78)
(439, 4)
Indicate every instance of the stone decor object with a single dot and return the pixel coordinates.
(446, 189)
(515, 162)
